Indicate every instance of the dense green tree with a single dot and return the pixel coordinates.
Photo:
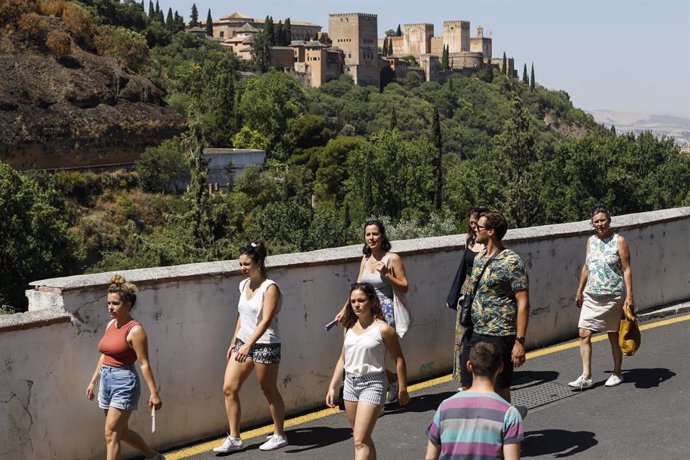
(266, 105)
(157, 8)
(261, 52)
(169, 20)
(445, 63)
(163, 168)
(332, 169)
(209, 24)
(36, 243)
(437, 162)
(390, 176)
(390, 33)
(504, 67)
(152, 10)
(194, 16)
(398, 32)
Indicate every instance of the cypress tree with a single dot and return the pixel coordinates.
(613, 129)
(161, 17)
(394, 119)
(169, 21)
(158, 8)
(194, 17)
(209, 23)
(143, 7)
(532, 84)
(279, 34)
(437, 161)
(384, 50)
(316, 36)
(179, 22)
(152, 12)
(445, 64)
(505, 64)
(398, 32)
(270, 31)
(525, 78)
(287, 28)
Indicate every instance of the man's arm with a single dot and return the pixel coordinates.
(433, 451)
(511, 451)
(518, 354)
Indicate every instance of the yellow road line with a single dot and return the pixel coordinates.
(264, 430)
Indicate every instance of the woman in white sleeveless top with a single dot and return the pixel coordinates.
(254, 345)
(605, 284)
(367, 338)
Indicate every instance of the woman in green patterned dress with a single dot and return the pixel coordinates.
(605, 285)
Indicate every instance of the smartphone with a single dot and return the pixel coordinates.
(331, 325)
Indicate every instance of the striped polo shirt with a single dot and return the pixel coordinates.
(475, 426)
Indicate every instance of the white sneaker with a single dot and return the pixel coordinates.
(392, 392)
(274, 442)
(613, 380)
(581, 383)
(229, 445)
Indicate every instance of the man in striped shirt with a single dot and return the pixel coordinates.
(477, 423)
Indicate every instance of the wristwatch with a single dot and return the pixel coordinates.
(520, 339)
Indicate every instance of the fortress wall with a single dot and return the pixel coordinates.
(48, 354)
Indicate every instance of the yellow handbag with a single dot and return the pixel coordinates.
(629, 336)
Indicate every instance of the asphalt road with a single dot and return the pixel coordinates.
(647, 416)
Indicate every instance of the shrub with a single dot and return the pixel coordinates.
(12, 10)
(34, 27)
(59, 43)
(78, 21)
(127, 46)
(50, 7)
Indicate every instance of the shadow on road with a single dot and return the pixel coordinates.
(559, 443)
(526, 379)
(303, 439)
(647, 378)
(423, 403)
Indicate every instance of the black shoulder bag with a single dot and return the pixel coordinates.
(466, 300)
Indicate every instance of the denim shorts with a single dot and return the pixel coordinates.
(119, 388)
(369, 388)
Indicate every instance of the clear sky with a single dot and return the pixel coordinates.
(623, 55)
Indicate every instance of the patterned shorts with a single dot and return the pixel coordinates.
(262, 353)
(370, 388)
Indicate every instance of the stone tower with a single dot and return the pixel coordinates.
(481, 44)
(357, 35)
(417, 39)
(456, 36)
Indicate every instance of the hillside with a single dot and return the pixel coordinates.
(67, 109)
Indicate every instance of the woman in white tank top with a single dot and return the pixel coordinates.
(255, 344)
(367, 338)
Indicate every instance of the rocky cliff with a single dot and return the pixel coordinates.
(76, 110)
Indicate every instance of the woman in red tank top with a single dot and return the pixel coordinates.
(123, 343)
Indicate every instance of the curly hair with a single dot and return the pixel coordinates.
(127, 291)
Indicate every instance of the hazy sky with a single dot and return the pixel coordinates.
(625, 55)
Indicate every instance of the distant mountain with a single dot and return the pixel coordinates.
(637, 122)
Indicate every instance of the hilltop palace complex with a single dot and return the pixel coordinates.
(352, 47)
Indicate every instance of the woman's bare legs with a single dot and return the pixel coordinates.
(363, 417)
(586, 352)
(616, 352)
(267, 374)
(236, 374)
(116, 430)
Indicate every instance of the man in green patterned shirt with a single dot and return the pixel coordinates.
(500, 309)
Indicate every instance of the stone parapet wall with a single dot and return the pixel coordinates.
(49, 353)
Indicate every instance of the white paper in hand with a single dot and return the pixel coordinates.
(153, 419)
